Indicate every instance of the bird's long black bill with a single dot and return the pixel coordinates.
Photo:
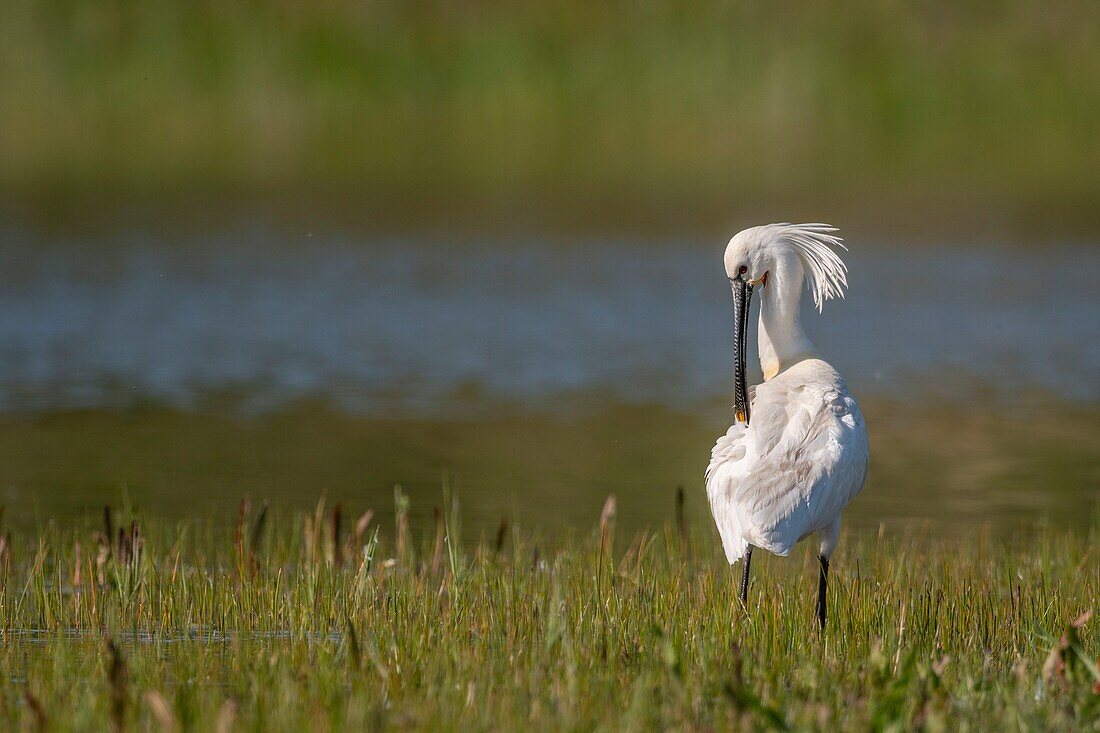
(742, 295)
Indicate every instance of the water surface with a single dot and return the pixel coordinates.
(416, 325)
(540, 376)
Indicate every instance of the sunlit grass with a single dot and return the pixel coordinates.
(329, 619)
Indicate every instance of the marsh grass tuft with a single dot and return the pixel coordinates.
(167, 631)
(118, 686)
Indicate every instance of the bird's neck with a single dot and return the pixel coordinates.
(782, 342)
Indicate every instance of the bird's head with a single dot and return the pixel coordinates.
(791, 253)
(779, 253)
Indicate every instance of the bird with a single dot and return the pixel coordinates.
(797, 451)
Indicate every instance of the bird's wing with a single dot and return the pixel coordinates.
(731, 446)
(727, 463)
(726, 468)
(792, 472)
(811, 460)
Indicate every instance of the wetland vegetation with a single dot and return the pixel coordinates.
(332, 619)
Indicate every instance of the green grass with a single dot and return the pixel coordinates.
(274, 625)
(618, 110)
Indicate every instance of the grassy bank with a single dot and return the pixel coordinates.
(657, 111)
(322, 621)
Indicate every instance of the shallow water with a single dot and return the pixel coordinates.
(540, 376)
(424, 325)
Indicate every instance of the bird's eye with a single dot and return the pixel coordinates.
(742, 270)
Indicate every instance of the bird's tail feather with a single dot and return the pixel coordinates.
(733, 541)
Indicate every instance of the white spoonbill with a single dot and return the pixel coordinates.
(797, 451)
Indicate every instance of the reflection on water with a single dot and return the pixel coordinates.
(421, 325)
(953, 467)
(540, 376)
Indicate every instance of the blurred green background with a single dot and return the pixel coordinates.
(559, 114)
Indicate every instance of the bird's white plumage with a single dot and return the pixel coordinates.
(794, 469)
(826, 273)
(803, 456)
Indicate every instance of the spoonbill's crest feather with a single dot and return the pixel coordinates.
(826, 274)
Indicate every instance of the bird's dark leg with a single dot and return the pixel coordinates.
(822, 581)
(745, 576)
